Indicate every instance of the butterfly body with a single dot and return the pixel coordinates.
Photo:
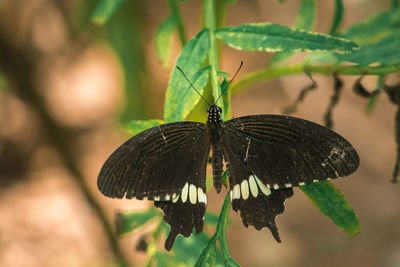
(265, 156)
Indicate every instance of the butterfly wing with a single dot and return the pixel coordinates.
(267, 155)
(167, 164)
(286, 151)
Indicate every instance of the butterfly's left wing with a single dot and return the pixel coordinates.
(267, 155)
(167, 164)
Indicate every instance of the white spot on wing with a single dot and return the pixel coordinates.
(244, 186)
(236, 191)
(302, 183)
(184, 193)
(200, 195)
(175, 198)
(266, 191)
(276, 186)
(157, 198)
(253, 186)
(288, 185)
(192, 194)
(167, 197)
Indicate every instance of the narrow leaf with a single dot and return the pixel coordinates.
(384, 52)
(337, 19)
(180, 97)
(305, 20)
(371, 103)
(374, 28)
(128, 222)
(104, 10)
(137, 126)
(163, 40)
(332, 203)
(274, 37)
(189, 250)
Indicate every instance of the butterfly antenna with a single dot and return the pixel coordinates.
(226, 87)
(184, 75)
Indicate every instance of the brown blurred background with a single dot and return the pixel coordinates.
(66, 88)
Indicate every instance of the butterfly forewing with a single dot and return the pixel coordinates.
(284, 151)
(157, 163)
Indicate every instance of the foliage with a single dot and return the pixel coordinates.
(373, 40)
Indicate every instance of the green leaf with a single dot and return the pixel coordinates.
(374, 28)
(305, 20)
(163, 40)
(125, 33)
(104, 10)
(371, 103)
(187, 250)
(384, 52)
(337, 17)
(137, 126)
(394, 3)
(225, 98)
(180, 97)
(188, 97)
(128, 222)
(332, 203)
(274, 37)
(380, 84)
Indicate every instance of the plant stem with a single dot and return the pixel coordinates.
(278, 71)
(221, 229)
(209, 18)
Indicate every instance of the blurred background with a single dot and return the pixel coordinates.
(67, 87)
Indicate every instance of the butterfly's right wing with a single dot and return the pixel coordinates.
(167, 164)
(268, 155)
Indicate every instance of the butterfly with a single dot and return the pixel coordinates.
(265, 156)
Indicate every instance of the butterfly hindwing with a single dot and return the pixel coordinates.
(184, 212)
(258, 204)
(285, 151)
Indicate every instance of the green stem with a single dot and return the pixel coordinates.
(221, 230)
(209, 19)
(173, 5)
(278, 71)
(220, 234)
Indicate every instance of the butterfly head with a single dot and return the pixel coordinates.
(214, 113)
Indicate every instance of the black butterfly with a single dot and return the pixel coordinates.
(265, 156)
